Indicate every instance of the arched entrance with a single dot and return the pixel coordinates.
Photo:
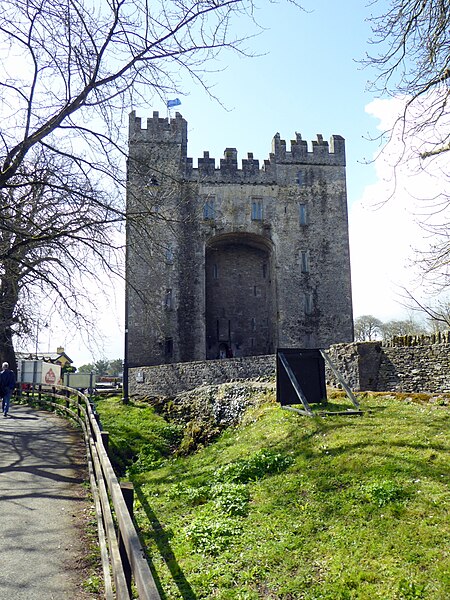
(239, 293)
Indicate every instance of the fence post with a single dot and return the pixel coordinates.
(128, 495)
(105, 440)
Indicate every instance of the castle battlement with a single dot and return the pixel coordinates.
(234, 256)
(164, 130)
(158, 129)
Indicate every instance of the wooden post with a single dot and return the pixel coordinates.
(128, 495)
(105, 440)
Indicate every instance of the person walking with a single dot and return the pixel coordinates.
(7, 385)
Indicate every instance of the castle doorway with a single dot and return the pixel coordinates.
(239, 296)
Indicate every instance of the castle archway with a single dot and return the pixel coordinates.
(240, 296)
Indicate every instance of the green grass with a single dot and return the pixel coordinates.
(291, 507)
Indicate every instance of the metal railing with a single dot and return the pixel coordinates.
(122, 555)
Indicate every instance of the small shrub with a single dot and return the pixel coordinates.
(231, 498)
(93, 584)
(210, 534)
(408, 590)
(193, 495)
(265, 462)
(383, 492)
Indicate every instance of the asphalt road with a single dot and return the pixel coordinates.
(42, 503)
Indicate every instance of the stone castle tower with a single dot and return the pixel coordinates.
(228, 261)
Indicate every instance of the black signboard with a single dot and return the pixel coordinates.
(300, 376)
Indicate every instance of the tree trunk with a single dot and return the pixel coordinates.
(7, 353)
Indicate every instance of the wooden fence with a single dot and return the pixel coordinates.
(123, 558)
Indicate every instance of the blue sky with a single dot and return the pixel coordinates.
(306, 77)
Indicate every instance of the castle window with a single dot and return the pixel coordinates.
(170, 254)
(168, 299)
(253, 324)
(215, 272)
(168, 347)
(264, 270)
(257, 210)
(308, 303)
(303, 214)
(304, 258)
(209, 213)
(299, 178)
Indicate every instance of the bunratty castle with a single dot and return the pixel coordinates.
(225, 261)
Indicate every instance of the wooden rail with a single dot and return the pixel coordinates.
(122, 555)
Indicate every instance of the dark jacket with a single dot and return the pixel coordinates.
(7, 380)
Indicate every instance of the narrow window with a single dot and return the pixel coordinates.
(215, 272)
(308, 303)
(264, 270)
(253, 324)
(305, 261)
(299, 178)
(209, 210)
(168, 347)
(169, 254)
(303, 214)
(257, 210)
(168, 299)
(255, 290)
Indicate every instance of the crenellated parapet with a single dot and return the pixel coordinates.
(162, 130)
(332, 153)
(158, 130)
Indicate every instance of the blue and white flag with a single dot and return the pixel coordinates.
(175, 102)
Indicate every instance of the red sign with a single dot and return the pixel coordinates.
(50, 377)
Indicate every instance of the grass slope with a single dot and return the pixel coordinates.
(290, 507)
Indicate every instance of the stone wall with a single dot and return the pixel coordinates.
(365, 366)
(419, 365)
(169, 380)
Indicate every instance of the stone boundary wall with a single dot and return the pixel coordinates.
(399, 367)
(365, 366)
(169, 380)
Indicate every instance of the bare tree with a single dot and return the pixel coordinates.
(401, 327)
(69, 70)
(411, 41)
(367, 328)
(54, 239)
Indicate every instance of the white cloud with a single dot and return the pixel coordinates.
(385, 223)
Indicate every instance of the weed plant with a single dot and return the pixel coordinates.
(289, 507)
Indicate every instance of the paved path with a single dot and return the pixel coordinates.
(42, 507)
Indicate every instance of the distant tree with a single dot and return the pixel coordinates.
(367, 328)
(101, 367)
(88, 368)
(399, 328)
(115, 367)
